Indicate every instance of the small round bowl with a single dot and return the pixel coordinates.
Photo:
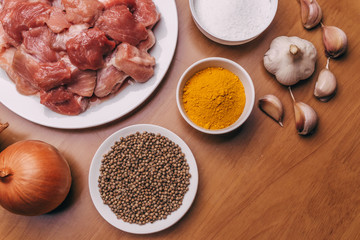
(231, 66)
(215, 36)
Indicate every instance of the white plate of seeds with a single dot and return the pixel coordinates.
(116, 212)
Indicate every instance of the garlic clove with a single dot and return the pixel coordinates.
(311, 13)
(306, 118)
(272, 106)
(335, 41)
(325, 86)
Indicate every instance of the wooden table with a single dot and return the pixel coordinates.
(259, 182)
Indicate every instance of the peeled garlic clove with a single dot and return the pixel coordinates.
(335, 41)
(325, 86)
(311, 13)
(306, 118)
(272, 106)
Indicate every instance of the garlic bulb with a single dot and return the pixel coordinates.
(311, 13)
(335, 41)
(290, 59)
(272, 106)
(325, 86)
(306, 118)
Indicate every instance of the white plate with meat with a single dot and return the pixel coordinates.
(109, 108)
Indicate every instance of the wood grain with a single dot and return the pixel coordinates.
(259, 182)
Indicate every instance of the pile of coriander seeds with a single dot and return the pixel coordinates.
(144, 178)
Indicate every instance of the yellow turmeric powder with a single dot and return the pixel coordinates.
(214, 98)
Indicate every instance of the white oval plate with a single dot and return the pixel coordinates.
(29, 107)
(106, 212)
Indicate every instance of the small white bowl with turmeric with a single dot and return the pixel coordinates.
(215, 95)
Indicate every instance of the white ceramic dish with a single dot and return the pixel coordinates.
(29, 107)
(214, 36)
(231, 66)
(106, 212)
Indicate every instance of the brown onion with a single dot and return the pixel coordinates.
(34, 178)
(3, 126)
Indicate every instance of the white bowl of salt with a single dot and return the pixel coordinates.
(233, 22)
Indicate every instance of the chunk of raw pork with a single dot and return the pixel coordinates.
(82, 11)
(37, 42)
(59, 44)
(58, 4)
(62, 101)
(119, 24)
(146, 13)
(109, 78)
(148, 43)
(136, 63)
(57, 21)
(22, 85)
(82, 82)
(4, 43)
(11, 3)
(21, 16)
(109, 3)
(42, 75)
(86, 50)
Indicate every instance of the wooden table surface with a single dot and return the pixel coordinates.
(259, 182)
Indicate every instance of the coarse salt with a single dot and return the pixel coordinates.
(234, 19)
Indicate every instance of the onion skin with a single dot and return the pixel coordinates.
(34, 178)
(3, 126)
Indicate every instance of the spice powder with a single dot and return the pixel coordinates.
(214, 98)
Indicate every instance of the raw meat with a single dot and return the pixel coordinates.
(109, 78)
(148, 43)
(71, 51)
(21, 16)
(119, 24)
(146, 13)
(62, 101)
(134, 62)
(58, 4)
(82, 82)
(4, 42)
(109, 3)
(59, 43)
(82, 11)
(22, 85)
(86, 50)
(42, 75)
(49, 75)
(57, 21)
(37, 42)
(6, 58)
(11, 3)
